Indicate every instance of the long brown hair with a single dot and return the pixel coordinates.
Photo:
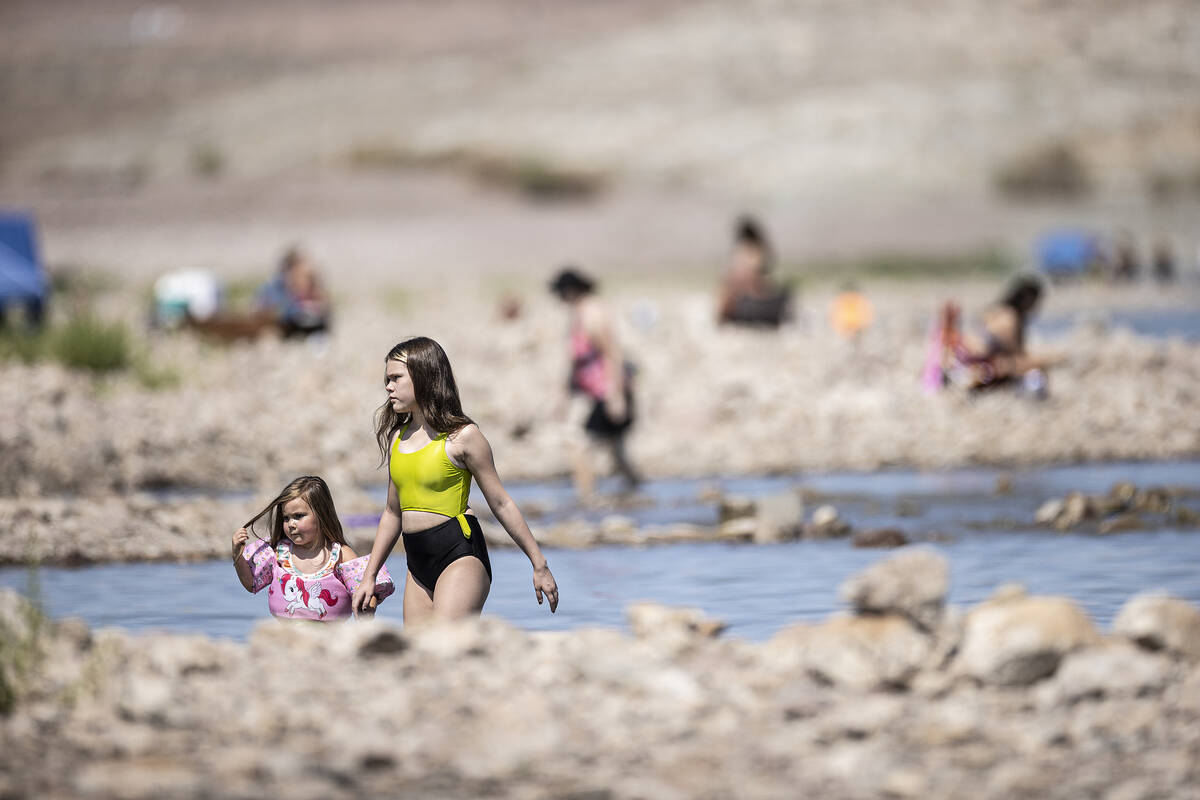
(312, 490)
(433, 386)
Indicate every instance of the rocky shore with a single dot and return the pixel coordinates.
(901, 696)
(251, 416)
(143, 527)
(84, 460)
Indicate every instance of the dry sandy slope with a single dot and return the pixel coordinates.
(852, 127)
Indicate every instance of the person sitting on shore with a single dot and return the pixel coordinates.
(749, 295)
(295, 297)
(1000, 359)
(311, 571)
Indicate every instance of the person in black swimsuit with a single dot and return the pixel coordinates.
(433, 450)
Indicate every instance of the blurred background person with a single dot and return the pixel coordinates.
(600, 408)
(999, 357)
(1002, 355)
(749, 294)
(1163, 261)
(1125, 264)
(295, 297)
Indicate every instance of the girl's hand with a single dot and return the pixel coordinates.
(543, 583)
(239, 541)
(364, 596)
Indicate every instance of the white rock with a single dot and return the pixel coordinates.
(913, 582)
(1161, 622)
(1022, 640)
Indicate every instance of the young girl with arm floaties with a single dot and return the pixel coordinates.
(311, 571)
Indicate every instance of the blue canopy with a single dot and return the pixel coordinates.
(21, 276)
(1067, 252)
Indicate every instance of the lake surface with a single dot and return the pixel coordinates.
(987, 536)
(1158, 323)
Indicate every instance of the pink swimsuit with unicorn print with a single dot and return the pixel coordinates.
(322, 595)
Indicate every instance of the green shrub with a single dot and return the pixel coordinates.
(984, 262)
(20, 651)
(207, 161)
(1165, 185)
(91, 343)
(1052, 171)
(530, 176)
(154, 377)
(538, 180)
(22, 346)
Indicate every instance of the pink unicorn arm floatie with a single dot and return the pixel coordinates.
(351, 573)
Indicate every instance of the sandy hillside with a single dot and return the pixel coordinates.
(210, 134)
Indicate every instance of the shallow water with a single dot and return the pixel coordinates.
(1158, 323)
(758, 589)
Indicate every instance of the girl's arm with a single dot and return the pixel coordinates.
(245, 572)
(476, 455)
(385, 539)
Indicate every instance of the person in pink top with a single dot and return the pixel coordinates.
(306, 566)
(600, 406)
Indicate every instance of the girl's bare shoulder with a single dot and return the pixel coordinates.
(466, 439)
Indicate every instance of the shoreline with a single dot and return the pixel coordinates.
(903, 696)
(146, 528)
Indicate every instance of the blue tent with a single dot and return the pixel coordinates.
(1067, 253)
(22, 279)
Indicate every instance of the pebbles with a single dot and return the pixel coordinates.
(675, 711)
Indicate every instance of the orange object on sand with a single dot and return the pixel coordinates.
(850, 314)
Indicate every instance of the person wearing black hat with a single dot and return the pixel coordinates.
(601, 394)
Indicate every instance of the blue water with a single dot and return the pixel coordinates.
(1159, 323)
(757, 589)
(915, 501)
(988, 538)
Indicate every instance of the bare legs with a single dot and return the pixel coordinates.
(460, 592)
(582, 472)
(621, 460)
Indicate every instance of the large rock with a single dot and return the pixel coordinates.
(780, 518)
(731, 507)
(863, 653)
(655, 621)
(882, 538)
(1115, 670)
(1018, 641)
(826, 523)
(912, 583)
(1161, 622)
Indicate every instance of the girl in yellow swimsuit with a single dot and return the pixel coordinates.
(433, 450)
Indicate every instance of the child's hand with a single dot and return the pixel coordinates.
(239, 541)
(369, 611)
(543, 584)
(364, 597)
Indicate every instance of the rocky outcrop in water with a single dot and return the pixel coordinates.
(866, 704)
(1124, 508)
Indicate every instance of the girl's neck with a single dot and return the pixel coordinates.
(311, 552)
(416, 420)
